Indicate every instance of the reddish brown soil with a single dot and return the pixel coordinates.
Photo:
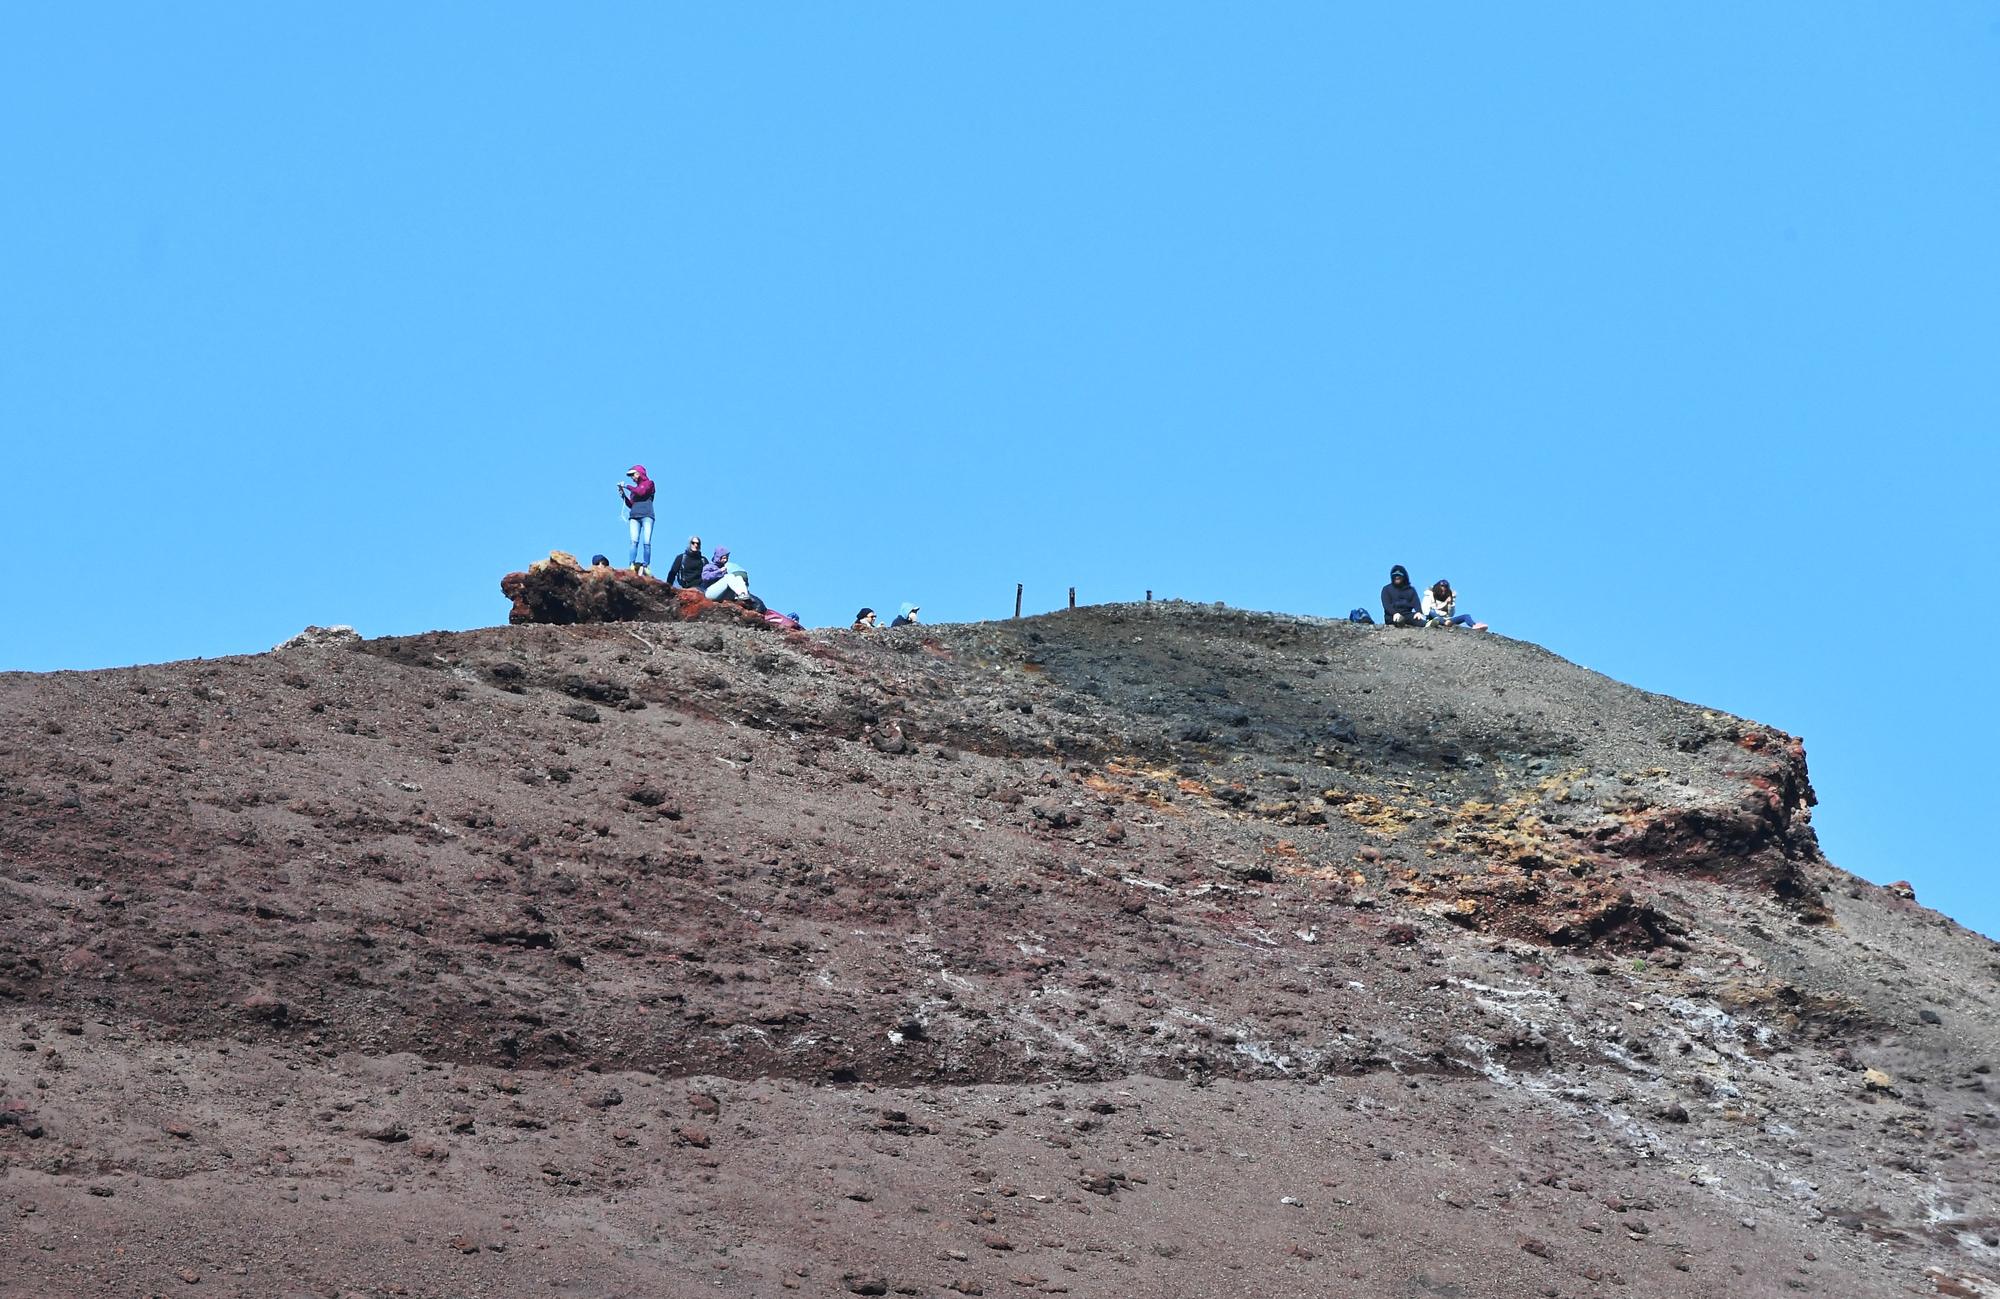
(1137, 950)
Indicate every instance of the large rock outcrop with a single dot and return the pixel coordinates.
(562, 591)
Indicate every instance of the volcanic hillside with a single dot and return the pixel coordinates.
(1133, 950)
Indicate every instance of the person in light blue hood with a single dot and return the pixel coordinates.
(908, 616)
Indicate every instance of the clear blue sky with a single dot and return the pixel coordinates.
(1669, 333)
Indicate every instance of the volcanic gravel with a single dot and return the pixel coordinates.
(1149, 949)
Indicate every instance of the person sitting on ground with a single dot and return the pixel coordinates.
(908, 617)
(600, 561)
(686, 569)
(865, 621)
(1400, 605)
(1441, 608)
(726, 579)
(638, 498)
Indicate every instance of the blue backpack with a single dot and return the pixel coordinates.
(1360, 615)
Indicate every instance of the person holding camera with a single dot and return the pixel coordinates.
(637, 493)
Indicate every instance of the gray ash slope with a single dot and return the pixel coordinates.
(1517, 980)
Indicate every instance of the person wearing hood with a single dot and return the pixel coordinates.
(865, 621)
(908, 616)
(725, 579)
(1441, 608)
(1401, 606)
(685, 571)
(637, 493)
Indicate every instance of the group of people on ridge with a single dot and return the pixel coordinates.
(867, 621)
(717, 576)
(1404, 606)
(720, 577)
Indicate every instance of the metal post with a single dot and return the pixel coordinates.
(1072, 597)
(1149, 595)
(1017, 599)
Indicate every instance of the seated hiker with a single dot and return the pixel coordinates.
(686, 568)
(1441, 608)
(725, 578)
(908, 617)
(600, 561)
(1401, 606)
(638, 497)
(865, 621)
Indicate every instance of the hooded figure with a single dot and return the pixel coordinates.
(687, 566)
(908, 617)
(637, 493)
(727, 579)
(1401, 605)
(865, 620)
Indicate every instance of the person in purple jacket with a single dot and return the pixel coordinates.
(725, 578)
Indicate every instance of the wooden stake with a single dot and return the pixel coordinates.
(1072, 597)
(1017, 599)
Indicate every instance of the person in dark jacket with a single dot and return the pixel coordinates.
(908, 617)
(686, 569)
(1402, 606)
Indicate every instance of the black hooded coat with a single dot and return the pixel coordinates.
(1403, 599)
(686, 570)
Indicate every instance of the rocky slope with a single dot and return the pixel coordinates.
(1153, 949)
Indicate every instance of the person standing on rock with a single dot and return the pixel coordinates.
(908, 616)
(686, 568)
(1441, 608)
(1401, 606)
(637, 493)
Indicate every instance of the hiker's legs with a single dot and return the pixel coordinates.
(645, 540)
(717, 588)
(1462, 620)
(634, 561)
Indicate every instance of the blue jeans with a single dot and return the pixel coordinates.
(1456, 620)
(642, 551)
